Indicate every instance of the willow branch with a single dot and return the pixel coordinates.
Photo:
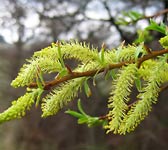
(90, 73)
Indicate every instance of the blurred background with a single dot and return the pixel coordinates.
(27, 26)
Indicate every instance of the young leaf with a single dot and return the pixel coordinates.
(107, 74)
(133, 17)
(84, 118)
(74, 113)
(39, 93)
(139, 51)
(63, 72)
(113, 74)
(80, 108)
(60, 55)
(143, 36)
(154, 26)
(138, 84)
(87, 89)
(40, 75)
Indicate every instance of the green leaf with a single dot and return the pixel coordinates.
(143, 36)
(133, 17)
(154, 26)
(113, 74)
(122, 21)
(63, 72)
(139, 51)
(39, 93)
(82, 120)
(80, 108)
(74, 113)
(138, 84)
(60, 55)
(40, 75)
(108, 75)
(87, 89)
(101, 53)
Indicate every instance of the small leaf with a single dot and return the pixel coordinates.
(138, 84)
(113, 74)
(82, 120)
(63, 72)
(154, 26)
(39, 84)
(135, 15)
(40, 75)
(122, 21)
(39, 93)
(60, 55)
(87, 89)
(107, 75)
(74, 113)
(139, 51)
(93, 121)
(143, 36)
(131, 15)
(80, 108)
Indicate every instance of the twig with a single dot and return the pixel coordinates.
(157, 14)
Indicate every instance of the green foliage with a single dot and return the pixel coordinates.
(143, 36)
(129, 17)
(159, 28)
(127, 66)
(83, 118)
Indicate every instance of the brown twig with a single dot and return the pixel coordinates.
(105, 117)
(148, 50)
(157, 14)
(152, 55)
